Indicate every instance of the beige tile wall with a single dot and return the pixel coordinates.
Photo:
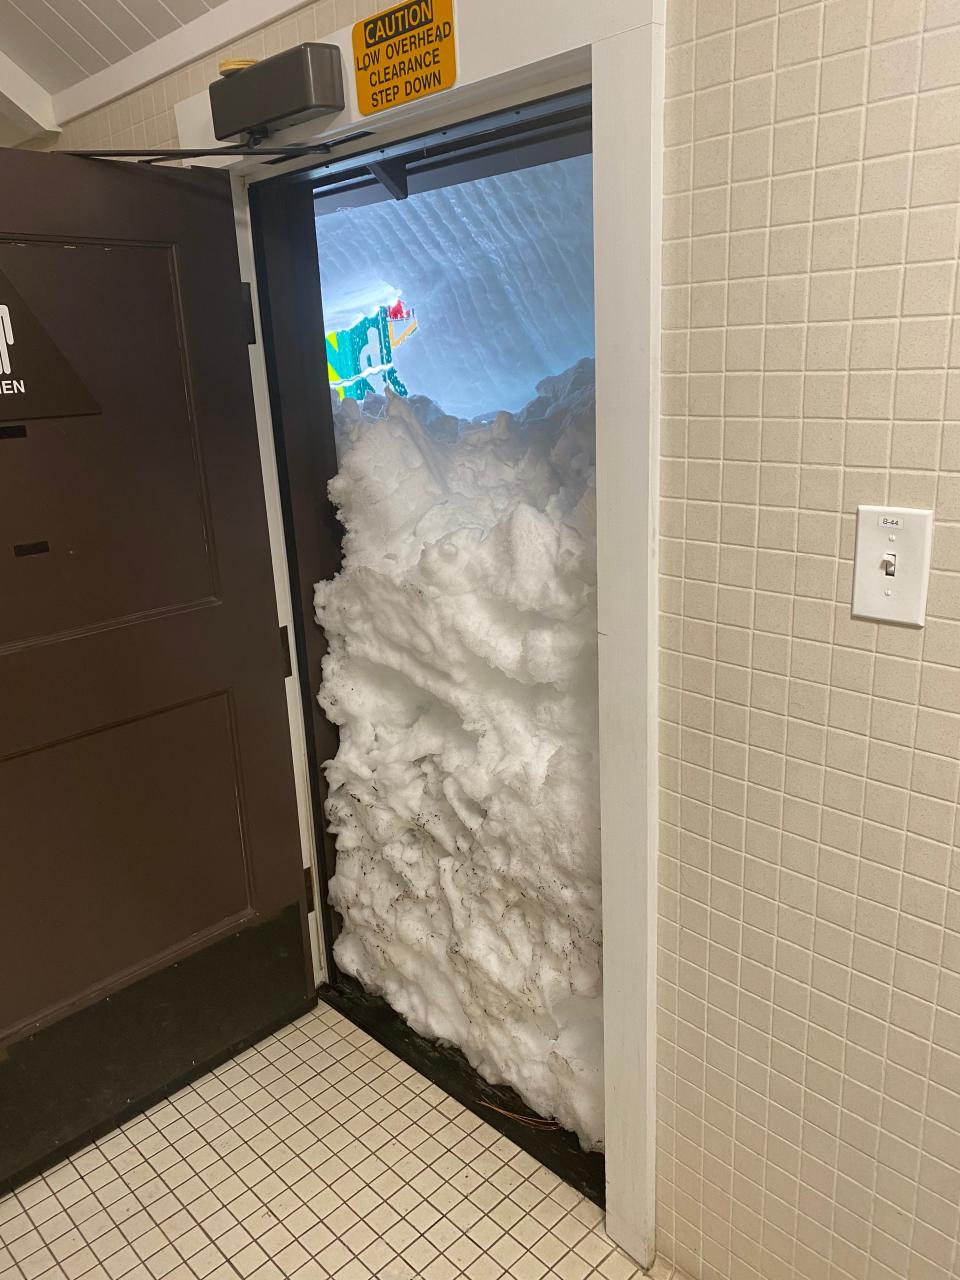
(810, 960)
(145, 118)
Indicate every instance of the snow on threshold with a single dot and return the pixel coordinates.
(462, 675)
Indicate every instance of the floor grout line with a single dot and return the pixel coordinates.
(319, 1127)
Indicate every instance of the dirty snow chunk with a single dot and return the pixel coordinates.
(462, 675)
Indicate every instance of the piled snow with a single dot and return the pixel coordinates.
(462, 674)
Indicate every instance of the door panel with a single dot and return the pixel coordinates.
(125, 797)
(147, 809)
(127, 469)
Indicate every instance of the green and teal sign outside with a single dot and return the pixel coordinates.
(361, 356)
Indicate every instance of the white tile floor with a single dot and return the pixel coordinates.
(315, 1154)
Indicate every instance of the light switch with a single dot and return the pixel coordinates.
(891, 565)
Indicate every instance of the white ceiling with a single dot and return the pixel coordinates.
(58, 43)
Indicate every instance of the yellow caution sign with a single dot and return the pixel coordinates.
(404, 53)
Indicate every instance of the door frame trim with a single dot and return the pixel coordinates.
(302, 763)
(626, 52)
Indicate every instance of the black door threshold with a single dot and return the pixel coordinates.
(558, 1149)
(71, 1083)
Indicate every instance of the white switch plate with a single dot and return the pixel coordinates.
(905, 533)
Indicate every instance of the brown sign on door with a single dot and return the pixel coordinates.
(36, 378)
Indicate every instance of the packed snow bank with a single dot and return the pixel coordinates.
(462, 674)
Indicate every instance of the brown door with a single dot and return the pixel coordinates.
(151, 914)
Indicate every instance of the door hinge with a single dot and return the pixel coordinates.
(249, 323)
(308, 889)
(285, 648)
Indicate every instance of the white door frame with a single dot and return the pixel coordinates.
(507, 53)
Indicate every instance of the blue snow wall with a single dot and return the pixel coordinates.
(499, 273)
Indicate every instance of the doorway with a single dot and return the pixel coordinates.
(449, 281)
